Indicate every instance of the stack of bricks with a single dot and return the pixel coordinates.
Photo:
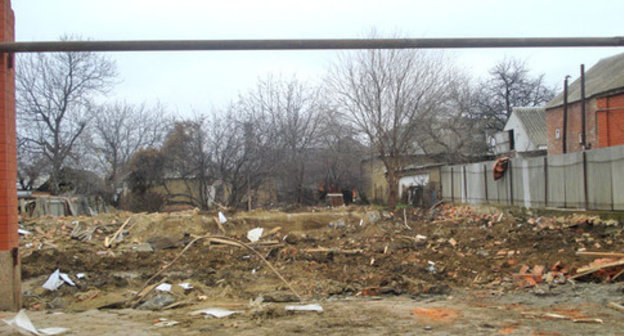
(10, 288)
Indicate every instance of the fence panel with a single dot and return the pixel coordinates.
(617, 173)
(445, 179)
(574, 180)
(518, 170)
(535, 181)
(599, 179)
(502, 188)
(475, 183)
(458, 184)
(553, 181)
(492, 188)
(556, 181)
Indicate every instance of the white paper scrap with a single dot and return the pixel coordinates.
(255, 234)
(186, 285)
(166, 323)
(421, 237)
(309, 307)
(222, 218)
(216, 312)
(164, 287)
(22, 323)
(80, 275)
(54, 281)
(23, 232)
(53, 331)
(66, 278)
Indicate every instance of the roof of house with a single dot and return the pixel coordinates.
(606, 76)
(533, 120)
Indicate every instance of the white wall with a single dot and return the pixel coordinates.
(521, 139)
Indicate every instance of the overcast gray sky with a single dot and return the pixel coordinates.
(186, 81)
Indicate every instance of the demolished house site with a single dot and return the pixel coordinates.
(400, 196)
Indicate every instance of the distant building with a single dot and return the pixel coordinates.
(604, 109)
(418, 171)
(524, 133)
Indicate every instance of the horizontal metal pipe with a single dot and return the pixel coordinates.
(311, 44)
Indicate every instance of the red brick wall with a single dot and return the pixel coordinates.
(605, 124)
(8, 160)
(554, 121)
(611, 120)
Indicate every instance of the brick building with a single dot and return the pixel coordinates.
(604, 109)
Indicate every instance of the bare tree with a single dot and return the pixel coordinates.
(456, 132)
(291, 109)
(385, 94)
(341, 153)
(511, 85)
(188, 159)
(119, 130)
(30, 166)
(55, 98)
(241, 153)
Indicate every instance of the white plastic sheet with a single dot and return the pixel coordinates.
(56, 280)
(164, 287)
(22, 324)
(186, 285)
(216, 312)
(310, 307)
(255, 234)
(222, 218)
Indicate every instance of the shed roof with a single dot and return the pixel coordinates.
(534, 121)
(606, 76)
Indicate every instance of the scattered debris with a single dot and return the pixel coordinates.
(554, 316)
(298, 256)
(216, 312)
(163, 322)
(118, 235)
(310, 307)
(164, 287)
(186, 286)
(22, 324)
(338, 224)
(255, 234)
(616, 306)
(222, 218)
(158, 301)
(56, 280)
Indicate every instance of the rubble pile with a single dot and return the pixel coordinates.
(111, 259)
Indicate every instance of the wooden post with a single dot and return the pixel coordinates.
(585, 192)
(465, 185)
(510, 175)
(545, 181)
(452, 186)
(485, 175)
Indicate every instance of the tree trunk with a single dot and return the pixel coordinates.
(392, 188)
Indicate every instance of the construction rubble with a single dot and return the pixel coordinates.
(235, 265)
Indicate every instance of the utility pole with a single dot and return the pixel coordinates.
(565, 115)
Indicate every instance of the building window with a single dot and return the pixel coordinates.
(557, 134)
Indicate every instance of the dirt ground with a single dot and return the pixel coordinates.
(443, 271)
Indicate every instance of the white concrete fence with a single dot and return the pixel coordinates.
(592, 180)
